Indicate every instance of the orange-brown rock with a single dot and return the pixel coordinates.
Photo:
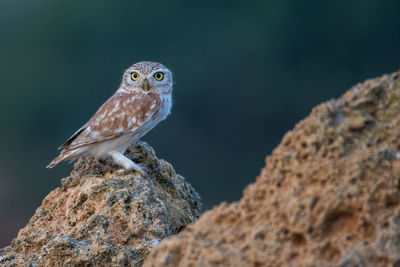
(329, 194)
(102, 217)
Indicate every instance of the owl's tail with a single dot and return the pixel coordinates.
(66, 155)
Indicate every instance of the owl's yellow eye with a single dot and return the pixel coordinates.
(159, 76)
(134, 76)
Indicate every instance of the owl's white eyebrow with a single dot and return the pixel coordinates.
(158, 70)
(154, 71)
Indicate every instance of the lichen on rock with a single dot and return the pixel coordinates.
(103, 217)
(329, 194)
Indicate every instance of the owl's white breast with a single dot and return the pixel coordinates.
(166, 101)
(162, 114)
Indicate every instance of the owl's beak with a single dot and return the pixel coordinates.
(146, 85)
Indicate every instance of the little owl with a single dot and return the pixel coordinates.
(142, 100)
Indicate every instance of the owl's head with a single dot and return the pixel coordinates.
(147, 76)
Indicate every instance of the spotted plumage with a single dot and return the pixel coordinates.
(140, 103)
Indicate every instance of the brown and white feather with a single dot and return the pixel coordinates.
(124, 118)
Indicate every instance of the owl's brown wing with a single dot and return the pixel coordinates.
(121, 114)
(72, 138)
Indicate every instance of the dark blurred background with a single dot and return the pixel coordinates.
(245, 73)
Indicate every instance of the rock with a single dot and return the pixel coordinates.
(329, 194)
(102, 217)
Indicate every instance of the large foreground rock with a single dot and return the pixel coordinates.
(329, 194)
(102, 218)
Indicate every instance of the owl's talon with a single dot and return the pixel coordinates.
(138, 169)
(119, 172)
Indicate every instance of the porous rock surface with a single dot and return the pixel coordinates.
(329, 194)
(103, 217)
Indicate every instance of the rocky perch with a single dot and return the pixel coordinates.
(100, 217)
(329, 194)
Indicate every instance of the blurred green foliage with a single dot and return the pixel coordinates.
(245, 73)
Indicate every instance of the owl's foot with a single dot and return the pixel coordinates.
(127, 171)
(138, 168)
(128, 164)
